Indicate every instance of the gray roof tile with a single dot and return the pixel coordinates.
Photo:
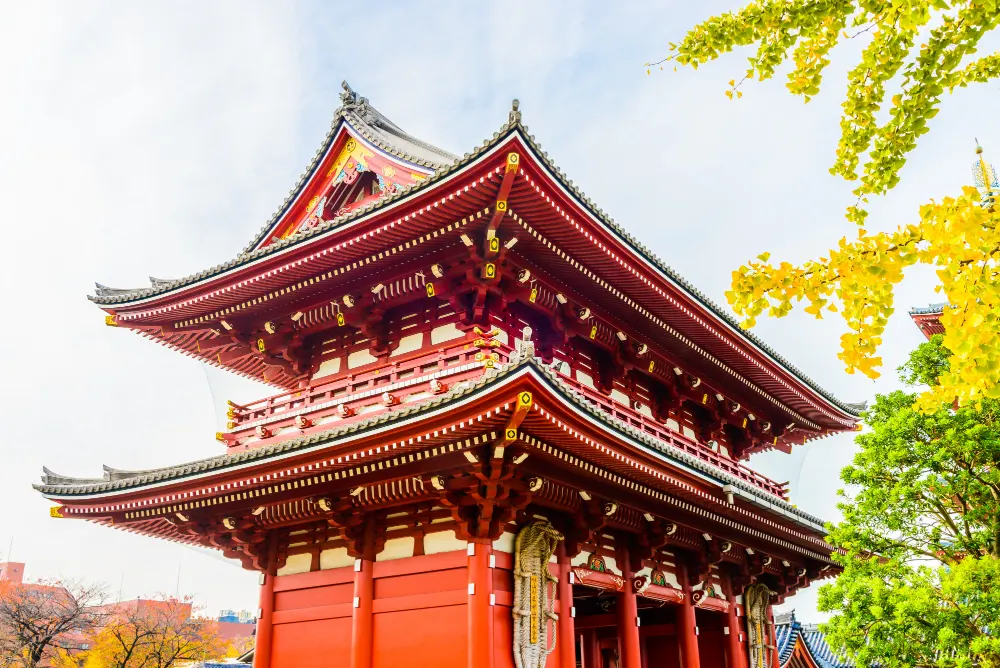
(110, 296)
(114, 480)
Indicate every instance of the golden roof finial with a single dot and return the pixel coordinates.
(984, 177)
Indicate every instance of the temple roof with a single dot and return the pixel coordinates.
(930, 309)
(356, 112)
(813, 651)
(116, 482)
(362, 117)
(928, 318)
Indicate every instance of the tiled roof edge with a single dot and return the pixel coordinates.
(221, 462)
(930, 309)
(514, 124)
(110, 297)
(853, 409)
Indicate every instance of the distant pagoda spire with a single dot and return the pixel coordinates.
(984, 177)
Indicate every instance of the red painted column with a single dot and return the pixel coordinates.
(687, 623)
(566, 634)
(735, 653)
(775, 661)
(591, 649)
(628, 615)
(480, 613)
(262, 637)
(362, 620)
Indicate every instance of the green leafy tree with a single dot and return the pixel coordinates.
(915, 52)
(920, 538)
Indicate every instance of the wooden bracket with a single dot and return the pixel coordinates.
(500, 209)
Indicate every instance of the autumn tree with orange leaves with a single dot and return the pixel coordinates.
(39, 623)
(154, 634)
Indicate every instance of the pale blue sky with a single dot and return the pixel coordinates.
(156, 139)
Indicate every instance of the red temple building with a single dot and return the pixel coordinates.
(503, 433)
(984, 178)
(928, 319)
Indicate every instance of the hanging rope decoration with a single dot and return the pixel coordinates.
(534, 595)
(757, 598)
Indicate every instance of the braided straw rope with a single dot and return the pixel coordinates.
(533, 605)
(757, 597)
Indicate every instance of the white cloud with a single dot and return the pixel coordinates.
(157, 138)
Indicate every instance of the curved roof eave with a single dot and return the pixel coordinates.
(512, 127)
(155, 478)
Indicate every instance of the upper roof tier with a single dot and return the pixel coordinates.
(420, 199)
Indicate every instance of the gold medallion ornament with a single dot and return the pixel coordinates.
(486, 341)
(534, 594)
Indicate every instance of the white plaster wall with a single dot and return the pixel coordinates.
(297, 563)
(446, 333)
(408, 344)
(443, 541)
(360, 358)
(327, 368)
(620, 397)
(335, 558)
(671, 579)
(396, 548)
(505, 543)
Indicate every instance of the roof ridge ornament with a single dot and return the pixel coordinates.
(350, 100)
(515, 112)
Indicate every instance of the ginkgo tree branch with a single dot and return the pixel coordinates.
(917, 51)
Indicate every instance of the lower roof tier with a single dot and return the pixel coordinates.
(517, 426)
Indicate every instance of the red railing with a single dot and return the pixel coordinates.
(361, 384)
(678, 440)
(377, 376)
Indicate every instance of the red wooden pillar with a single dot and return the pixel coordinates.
(628, 614)
(361, 622)
(687, 624)
(735, 653)
(566, 633)
(591, 649)
(771, 633)
(262, 636)
(479, 609)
